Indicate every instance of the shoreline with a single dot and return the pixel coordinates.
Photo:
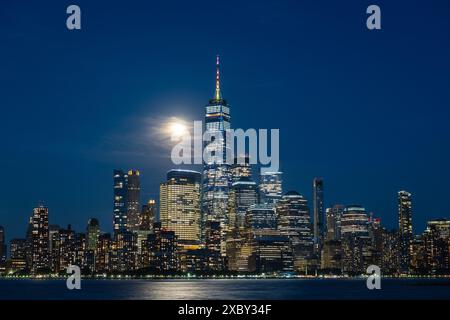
(155, 277)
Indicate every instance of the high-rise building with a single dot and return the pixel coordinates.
(102, 258)
(120, 201)
(319, 213)
(133, 199)
(273, 254)
(333, 218)
(54, 247)
(160, 250)
(262, 220)
(243, 194)
(127, 190)
(66, 247)
(18, 253)
(240, 251)
(212, 244)
(3, 251)
(40, 239)
(294, 222)
(354, 221)
(180, 205)
(125, 251)
(217, 176)
(405, 229)
(92, 234)
(356, 243)
(2, 247)
(270, 187)
(437, 246)
(148, 215)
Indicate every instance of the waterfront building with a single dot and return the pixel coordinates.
(2, 249)
(180, 205)
(273, 254)
(92, 234)
(437, 246)
(262, 220)
(405, 229)
(133, 199)
(18, 255)
(120, 201)
(318, 214)
(356, 243)
(213, 245)
(40, 240)
(160, 251)
(102, 256)
(240, 251)
(294, 223)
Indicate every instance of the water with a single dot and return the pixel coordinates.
(239, 289)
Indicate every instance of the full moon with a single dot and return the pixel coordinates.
(177, 129)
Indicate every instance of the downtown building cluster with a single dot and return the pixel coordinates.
(226, 220)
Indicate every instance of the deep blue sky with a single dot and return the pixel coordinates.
(366, 110)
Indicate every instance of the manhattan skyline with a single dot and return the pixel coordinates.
(84, 104)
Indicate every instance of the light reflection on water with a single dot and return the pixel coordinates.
(236, 289)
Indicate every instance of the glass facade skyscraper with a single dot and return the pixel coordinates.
(294, 223)
(180, 205)
(120, 201)
(217, 175)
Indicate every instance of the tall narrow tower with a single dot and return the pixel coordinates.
(216, 171)
(319, 213)
(405, 229)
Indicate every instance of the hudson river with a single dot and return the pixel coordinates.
(239, 289)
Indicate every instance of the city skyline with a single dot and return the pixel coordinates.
(347, 129)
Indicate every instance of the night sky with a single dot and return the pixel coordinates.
(366, 110)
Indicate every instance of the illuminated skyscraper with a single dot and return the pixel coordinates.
(294, 223)
(18, 251)
(319, 213)
(148, 215)
(243, 194)
(355, 239)
(262, 220)
(217, 176)
(437, 246)
(120, 201)
(180, 205)
(40, 239)
(92, 233)
(133, 202)
(127, 189)
(2, 248)
(270, 187)
(333, 218)
(405, 229)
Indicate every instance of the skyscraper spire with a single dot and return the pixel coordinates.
(217, 95)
